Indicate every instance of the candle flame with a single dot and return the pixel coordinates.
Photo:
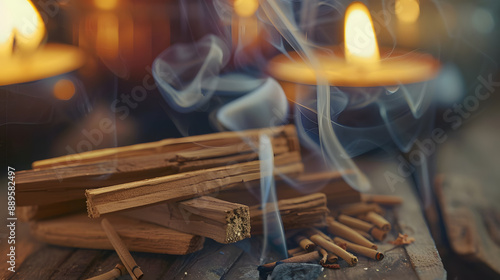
(245, 8)
(360, 41)
(21, 27)
(407, 11)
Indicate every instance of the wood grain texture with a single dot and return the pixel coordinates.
(81, 232)
(215, 140)
(182, 186)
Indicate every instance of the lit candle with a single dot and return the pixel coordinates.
(359, 63)
(21, 57)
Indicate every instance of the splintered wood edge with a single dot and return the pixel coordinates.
(91, 209)
(238, 224)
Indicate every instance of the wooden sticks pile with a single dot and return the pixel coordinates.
(353, 235)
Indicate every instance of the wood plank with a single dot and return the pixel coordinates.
(210, 264)
(43, 263)
(74, 266)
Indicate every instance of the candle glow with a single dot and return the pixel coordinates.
(19, 23)
(359, 36)
(22, 58)
(407, 11)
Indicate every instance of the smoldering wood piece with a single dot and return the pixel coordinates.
(223, 221)
(182, 186)
(82, 232)
(300, 212)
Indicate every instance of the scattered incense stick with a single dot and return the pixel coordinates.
(305, 258)
(388, 200)
(348, 233)
(378, 234)
(355, 209)
(354, 223)
(324, 256)
(377, 220)
(305, 243)
(367, 252)
(364, 234)
(332, 247)
(332, 258)
(133, 269)
(116, 272)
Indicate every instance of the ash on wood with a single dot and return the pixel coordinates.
(81, 232)
(222, 221)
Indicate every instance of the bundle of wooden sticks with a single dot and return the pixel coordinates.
(167, 196)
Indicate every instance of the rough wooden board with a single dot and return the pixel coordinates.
(466, 214)
(43, 263)
(106, 260)
(26, 245)
(210, 263)
(468, 192)
(74, 266)
(154, 266)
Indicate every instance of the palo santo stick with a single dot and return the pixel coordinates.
(348, 233)
(324, 256)
(40, 212)
(222, 221)
(299, 212)
(176, 144)
(133, 269)
(320, 241)
(181, 186)
(387, 200)
(295, 250)
(305, 243)
(81, 232)
(305, 258)
(367, 252)
(354, 223)
(377, 220)
(68, 180)
(355, 209)
(116, 272)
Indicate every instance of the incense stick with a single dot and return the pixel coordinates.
(133, 269)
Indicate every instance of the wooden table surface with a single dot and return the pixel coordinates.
(419, 260)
